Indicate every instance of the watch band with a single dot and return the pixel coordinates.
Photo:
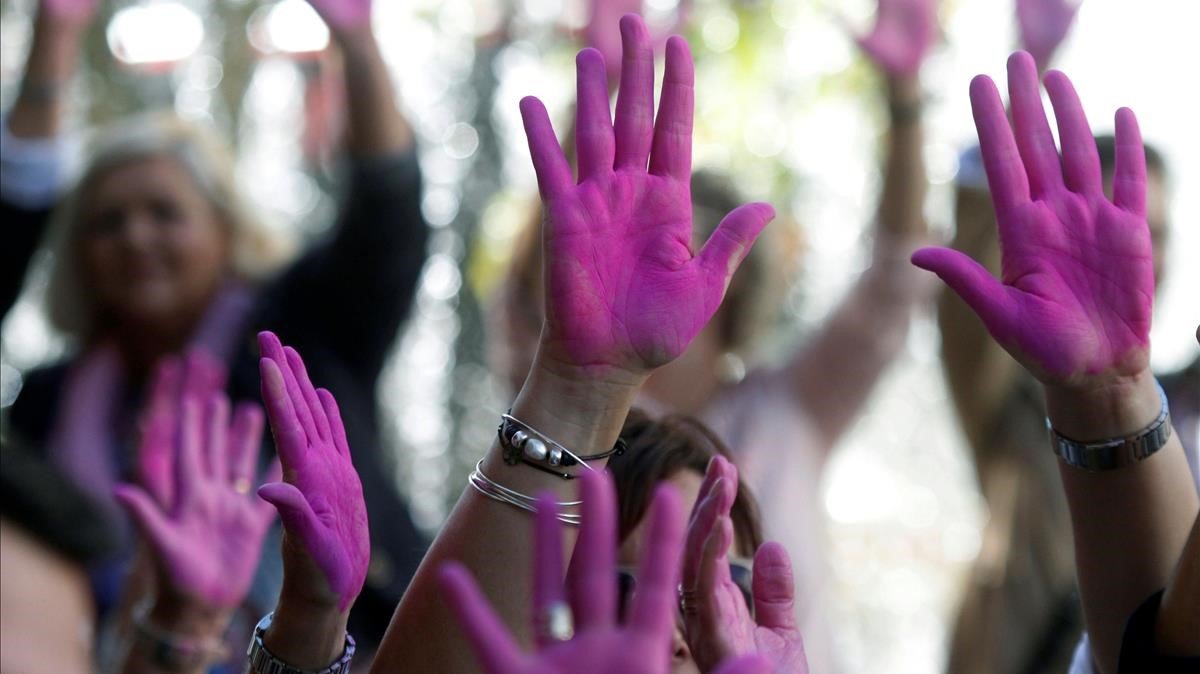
(1116, 452)
(263, 661)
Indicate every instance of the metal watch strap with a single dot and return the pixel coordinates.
(1117, 452)
(263, 661)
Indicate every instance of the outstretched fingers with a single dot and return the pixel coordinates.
(1006, 175)
(493, 644)
(270, 347)
(634, 122)
(548, 595)
(245, 441)
(1080, 158)
(290, 440)
(336, 427)
(1034, 140)
(308, 392)
(986, 296)
(593, 125)
(553, 172)
(1129, 173)
(672, 149)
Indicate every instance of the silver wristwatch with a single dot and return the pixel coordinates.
(263, 661)
(1117, 452)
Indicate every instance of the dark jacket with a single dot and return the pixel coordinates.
(341, 305)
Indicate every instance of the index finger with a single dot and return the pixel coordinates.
(1006, 176)
(653, 608)
(593, 579)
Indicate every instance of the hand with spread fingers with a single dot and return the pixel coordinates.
(582, 636)
(626, 292)
(1043, 25)
(1075, 298)
(903, 34)
(326, 544)
(196, 376)
(209, 539)
(719, 624)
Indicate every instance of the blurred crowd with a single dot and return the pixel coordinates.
(650, 500)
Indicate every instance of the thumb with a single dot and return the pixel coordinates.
(149, 518)
(297, 515)
(971, 281)
(731, 241)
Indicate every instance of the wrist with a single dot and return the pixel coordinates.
(306, 635)
(905, 99)
(188, 618)
(1114, 408)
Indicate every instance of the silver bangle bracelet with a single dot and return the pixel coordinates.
(498, 492)
(1116, 452)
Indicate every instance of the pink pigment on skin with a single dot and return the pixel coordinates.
(320, 500)
(1077, 288)
(724, 626)
(209, 540)
(625, 291)
(903, 34)
(1043, 24)
(341, 15)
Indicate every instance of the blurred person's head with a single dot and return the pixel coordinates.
(152, 231)
(674, 450)
(972, 200)
(49, 534)
(714, 356)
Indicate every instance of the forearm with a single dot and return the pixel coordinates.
(902, 200)
(1129, 524)
(53, 56)
(376, 127)
(494, 540)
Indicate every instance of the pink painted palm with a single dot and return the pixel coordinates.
(627, 293)
(903, 34)
(208, 543)
(1043, 25)
(327, 546)
(599, 645)
(721, 626)
(1075, 298)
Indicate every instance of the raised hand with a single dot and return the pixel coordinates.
(1043, 25)
(343, 16)
(320, 500)
(197, 376)
(594, 643)
(1074, 301)
(208, 542)
(903, 33)
(718, 621)
(625, 292)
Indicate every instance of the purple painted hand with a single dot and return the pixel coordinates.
(344, 15)
(599, 645)
(1075, 301)
(625, 292)
(903, 33)
(197, 376)
(208, 542)
(720, 625)
(1044, 24)
(326, 543)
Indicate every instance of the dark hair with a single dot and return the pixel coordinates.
(1106, 145)
(657, 450)
(37, 498)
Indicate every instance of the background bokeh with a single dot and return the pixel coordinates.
(785, 105)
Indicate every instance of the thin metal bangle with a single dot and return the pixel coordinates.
(498, 492)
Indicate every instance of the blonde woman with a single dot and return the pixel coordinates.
(154, 253)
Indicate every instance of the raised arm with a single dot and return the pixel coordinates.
(32, 170)
(625, 294)
(1073, 306)
(364, 275)
(834, 373)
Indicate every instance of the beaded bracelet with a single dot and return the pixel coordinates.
(521, 443)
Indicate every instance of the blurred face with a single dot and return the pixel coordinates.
(153, 249)
(1156, 217)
